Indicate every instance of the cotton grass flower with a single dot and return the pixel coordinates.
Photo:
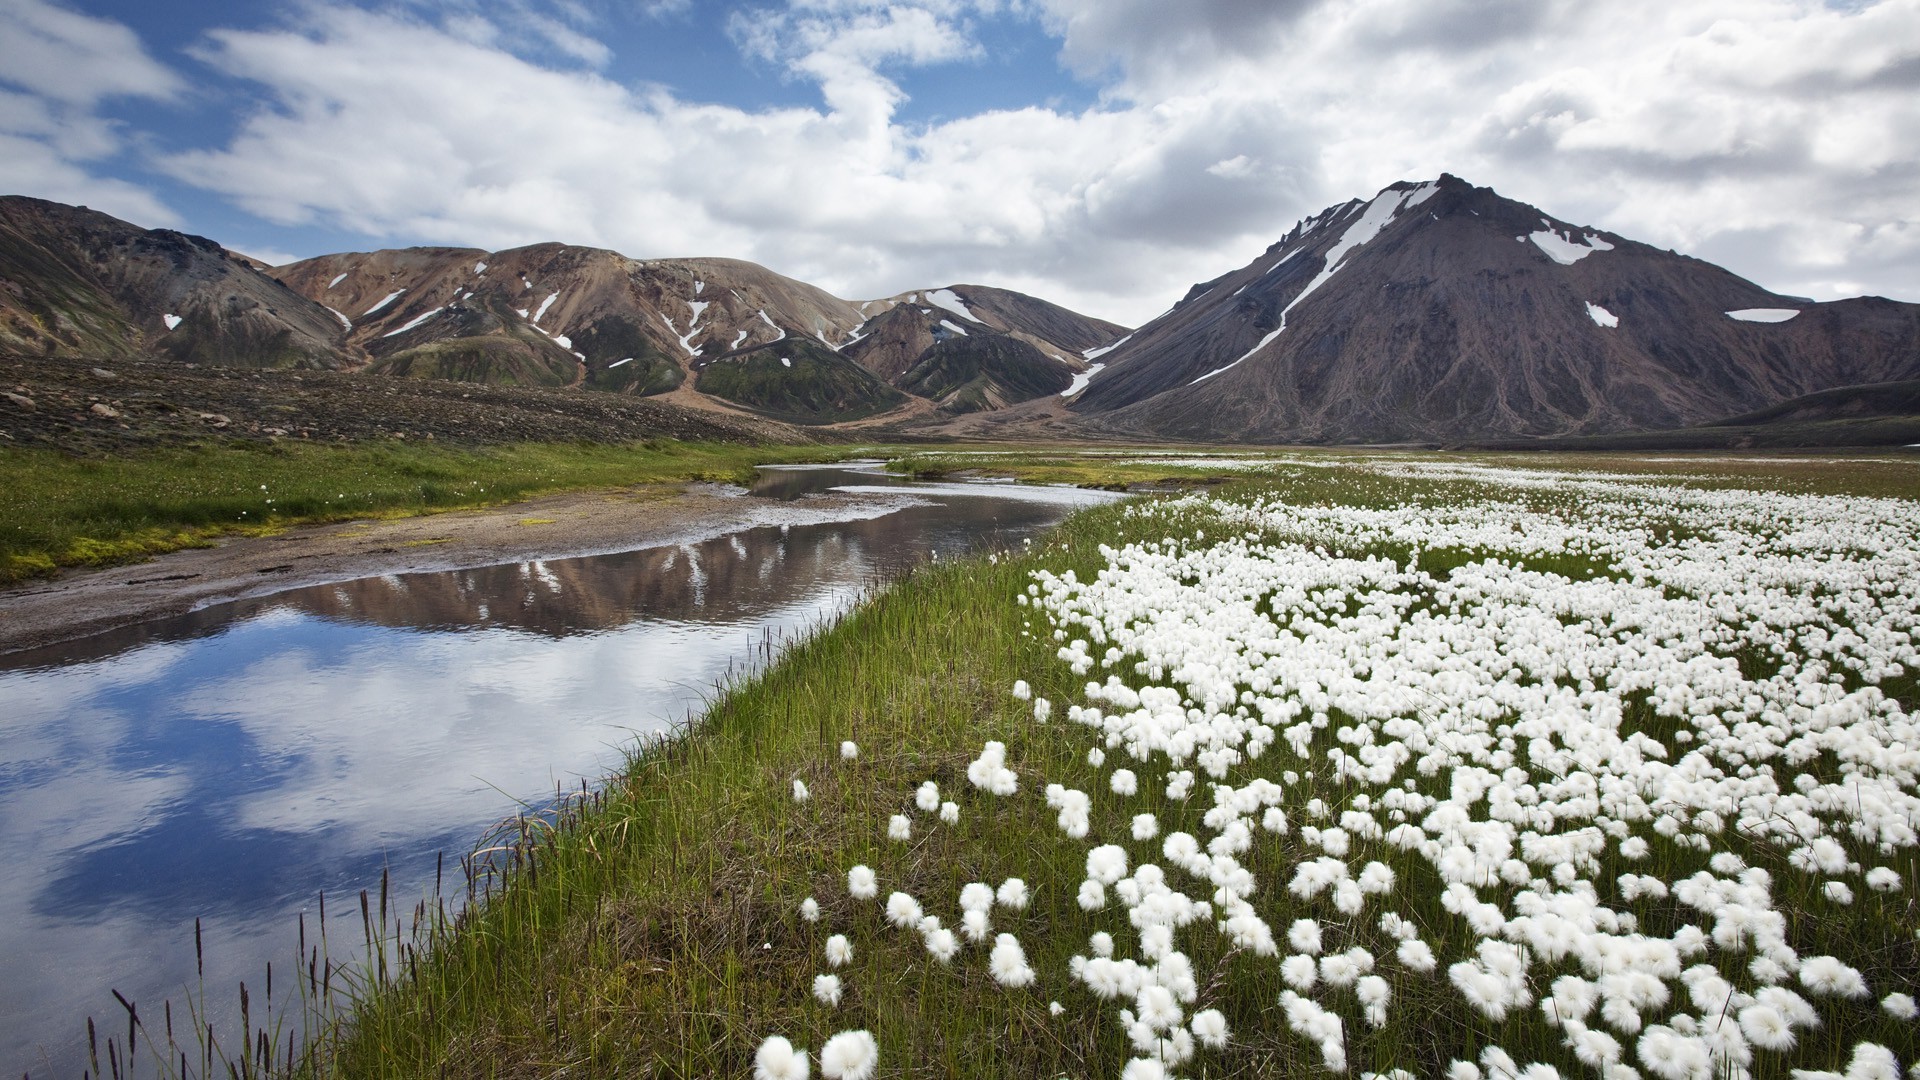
(1145, 826)
(862, 884)
(839, 951)
(1124, 782)
(1012, 894)
(1210, 1027)
(827, 990)
(849, 750)
(800, 792)
(1008, 962)
(1828, 976)
(950, 813)
(903, 911)
(899, 828)
(850, 1055)
(1900, 1006)
(810, 909)
(778, 1059)
(927, 796)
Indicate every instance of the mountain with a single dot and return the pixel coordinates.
(704, 332)
(1443, 312)
(969, 348)
(76, 282)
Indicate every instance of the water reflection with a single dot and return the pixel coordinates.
(235, 763)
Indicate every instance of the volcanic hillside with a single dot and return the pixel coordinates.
(77, 283)
(700, 330)
(1443, 312)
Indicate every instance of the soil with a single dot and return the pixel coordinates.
(86, 406)
(559, 526)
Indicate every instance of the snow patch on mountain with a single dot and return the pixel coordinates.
(1096, 353)
(413, 323)
(390, 298)
(337, 279)
(1764, 314)
(1601, 316)
(617, 363)
(1081, 380)
(776, 326)
(953, 326)
(344, 321)
(948, 299)
(1564, 251)
(544, 305)
(172, 321)
(479, 268)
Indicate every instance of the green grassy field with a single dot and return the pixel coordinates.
(57, 510)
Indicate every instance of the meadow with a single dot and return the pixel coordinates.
(61, 510)
(1401, 767)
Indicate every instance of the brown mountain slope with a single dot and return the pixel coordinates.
(76, 282)
(1443, 312)
(972, 347)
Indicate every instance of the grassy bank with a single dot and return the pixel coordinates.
(660, 930)
(58, 510)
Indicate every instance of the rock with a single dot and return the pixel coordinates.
(102, 409)
(274, 431)
(215, 419)
(21, 400)
(103, 373)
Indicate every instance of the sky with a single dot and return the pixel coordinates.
(1102, 154)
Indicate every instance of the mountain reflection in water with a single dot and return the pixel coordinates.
(234, 763)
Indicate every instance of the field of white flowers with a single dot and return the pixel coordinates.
(1472, 771)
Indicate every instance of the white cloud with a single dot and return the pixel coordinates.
(1772, 133)
(63, 65)
(76, 59)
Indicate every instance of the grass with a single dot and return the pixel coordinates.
(62, 511)
(652, 928)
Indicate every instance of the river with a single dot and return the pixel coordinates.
(234, 764)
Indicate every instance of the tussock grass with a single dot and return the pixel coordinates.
(58, 511)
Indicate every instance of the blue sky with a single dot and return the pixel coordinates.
(1101, 153)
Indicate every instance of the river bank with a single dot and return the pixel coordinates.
(84, 602)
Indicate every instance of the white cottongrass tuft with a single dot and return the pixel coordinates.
(1008, 962)
(927, 796)
(800, 792)
(1012, 894)
(1900, 1006)
(899, 827)
(862, 884)
(950, 812)
(850, 1055)
(1827, 976)
(1021, 690)
(1096, 757)
(1042, 709)
(1838, 892)
(1124, 782)
(778, 1059)
(976, 896)
(839, 951)
(1304, 936)
(827, 989)
(942, 944)
(810, 909)
(1107, 863)
(849, 750)
(1210, 1027)
(1092, 895)
(903, 911)
(1054, 1008)
(1145, 826)
(976, 925)
(1883, 879)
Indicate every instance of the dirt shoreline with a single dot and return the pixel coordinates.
(81, 603)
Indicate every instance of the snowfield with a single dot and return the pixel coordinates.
(1590, 774)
